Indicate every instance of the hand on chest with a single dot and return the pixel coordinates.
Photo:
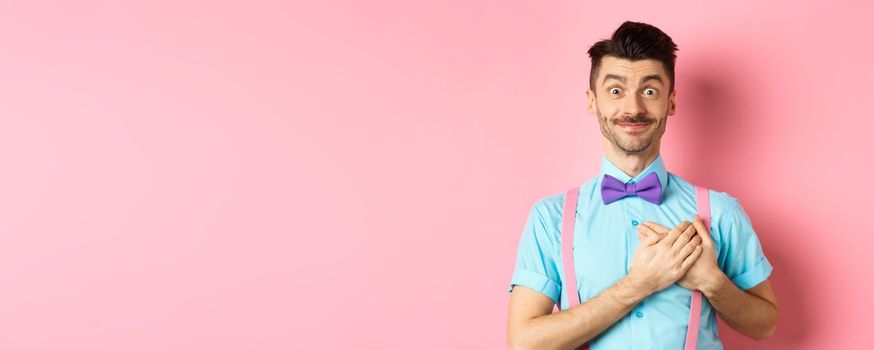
(604, 244)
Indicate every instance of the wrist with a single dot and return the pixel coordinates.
(716, 282)
(640, 285)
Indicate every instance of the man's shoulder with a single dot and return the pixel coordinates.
(554, 202)
(549, 207)
(721, 202)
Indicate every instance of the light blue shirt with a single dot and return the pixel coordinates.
(605, 239)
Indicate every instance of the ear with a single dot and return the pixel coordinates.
(593, 106)
(672, 105)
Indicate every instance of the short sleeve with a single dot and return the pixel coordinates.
(741, 256)
(536, 256)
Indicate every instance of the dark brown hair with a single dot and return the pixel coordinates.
(635, 41)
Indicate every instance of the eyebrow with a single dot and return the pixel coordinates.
(642, 80)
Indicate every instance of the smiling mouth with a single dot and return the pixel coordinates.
(633, 126)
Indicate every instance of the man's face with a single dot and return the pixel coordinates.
(632, 102)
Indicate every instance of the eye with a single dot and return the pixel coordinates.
(615, 91)
(649, 91)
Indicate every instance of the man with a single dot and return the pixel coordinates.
(637, 260)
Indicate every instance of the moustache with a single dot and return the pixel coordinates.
(640, 120)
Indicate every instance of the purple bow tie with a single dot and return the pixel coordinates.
(649, 189)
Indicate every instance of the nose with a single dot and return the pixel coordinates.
(633, 105)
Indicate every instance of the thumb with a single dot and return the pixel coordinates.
(702, 230)
(646, 235)
(647, 239)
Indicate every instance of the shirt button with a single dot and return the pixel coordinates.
(638, 314)
(634, 222)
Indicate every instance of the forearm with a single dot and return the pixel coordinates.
(752, 316)
(570, 328)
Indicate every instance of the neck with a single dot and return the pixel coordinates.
(631, 163)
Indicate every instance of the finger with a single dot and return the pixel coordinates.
(687, 263)
(672, 236)
(689, 247)
(656, 227)
(696, 239)
(646, 230)
(647, 240)
(684, 237)
(644, 236)
(702, 230)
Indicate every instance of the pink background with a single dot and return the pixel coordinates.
(265, 175)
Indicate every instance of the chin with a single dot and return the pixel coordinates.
(636, 147)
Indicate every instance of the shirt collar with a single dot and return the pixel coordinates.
(657, 166)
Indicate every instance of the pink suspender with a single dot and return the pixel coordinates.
(570, 282)
(568, 217)
(702, 203)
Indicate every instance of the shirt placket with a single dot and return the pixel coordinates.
(638, 313)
